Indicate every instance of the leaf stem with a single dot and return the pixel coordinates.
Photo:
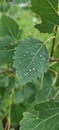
(7, 71)
(53, 43)
(9, 113)
(54, 60)
(53, 71)
(42, 81)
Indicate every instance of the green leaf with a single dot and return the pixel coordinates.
(57, 82)
(56, 51)
(45, 94)
(19, 96)
(47, 91)
(55, 67)
(3, 81)
(10, 87)
(23, 95)
(47, 109)
(48, 118)
(1, 126)
(16, 114)
(6, 50)
(14, 12)
(4, 105)
(31, 60)
(48, 10)
(8, 27)
(29, 90)
(45, 81)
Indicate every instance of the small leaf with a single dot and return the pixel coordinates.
(31, 60)
(19, 96)
(29, 90)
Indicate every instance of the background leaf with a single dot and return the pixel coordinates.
(16, 114)
(6, 50)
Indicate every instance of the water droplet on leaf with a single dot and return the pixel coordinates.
(26, 74)
(33, 68)
(30, 70)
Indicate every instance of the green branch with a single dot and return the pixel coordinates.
(53, 59)
(54, 40)
(7, 71)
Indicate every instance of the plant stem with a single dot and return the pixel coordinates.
(42, 81)
(17, 128)
(9, 120)
(53, 71)
(54, 39)
(53, 59)
(6, 126)
(7, 71)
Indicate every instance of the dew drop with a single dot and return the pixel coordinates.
(26, 74)
(32, 53)
(40, 55)
(34, 19)
(33, 68)
(26, 52)
(30, 70)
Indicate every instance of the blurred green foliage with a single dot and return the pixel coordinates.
(17, 22)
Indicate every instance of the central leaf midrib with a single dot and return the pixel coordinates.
(34, 57)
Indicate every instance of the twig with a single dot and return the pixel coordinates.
(9, 113)
(17, 128)
(54, 39)
(6, 126)
(53, 71)
(7, 71)
(54, 60)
